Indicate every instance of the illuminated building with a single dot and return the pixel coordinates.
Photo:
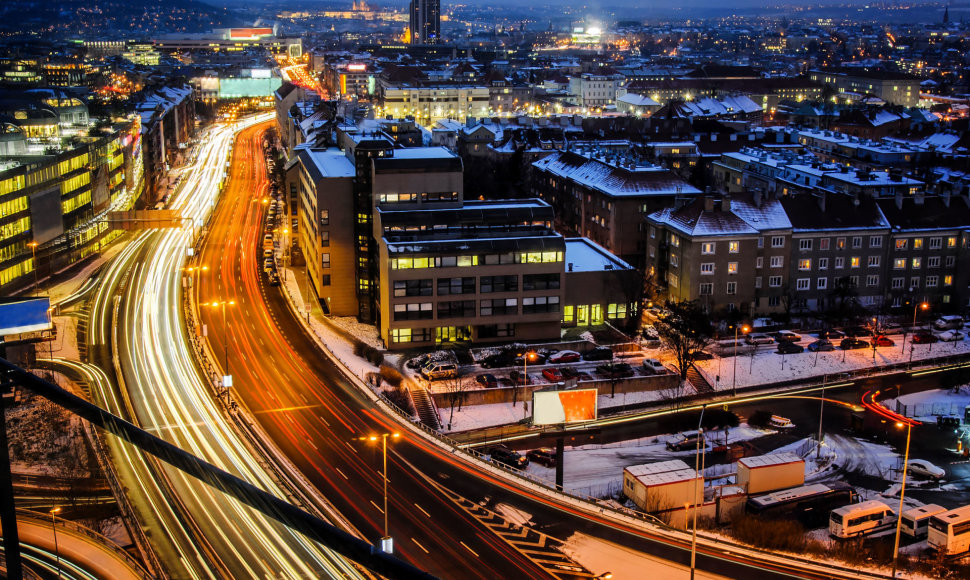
(425, 21)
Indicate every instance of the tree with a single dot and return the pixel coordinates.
(685, 329)
(456, 387)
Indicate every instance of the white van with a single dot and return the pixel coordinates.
(860, 519)
(916, 521)
(439, 370)
(948, 322)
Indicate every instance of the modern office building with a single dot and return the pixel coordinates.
(425, 21)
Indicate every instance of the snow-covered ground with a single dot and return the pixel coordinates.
(599, 557)
(927, 405)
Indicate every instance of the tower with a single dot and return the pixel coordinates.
(425, 21)
(946, 15)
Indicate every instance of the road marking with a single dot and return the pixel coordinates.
(341, 473)
(420, 546)
(422, 510)
(469, 549)
(382, 511)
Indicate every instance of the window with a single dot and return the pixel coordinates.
(899, 263)
(324, 217)
(568, 314)
(759, 262)
(803, 284)
(936, 243)
(917, 243)
(948, 280)
(902, 245)
(875, 241)
(707, 248)
(777, 241)
(412, 288)
(914, 282)
(933, 262)
(707, 268)
(950, 261)
(616, 311)
(732, 287)
(823, 244)
(805, 264)
(897, 283)
(540, 282)
(951, 242)
(821, 283)
(774, 300)
(872, 280)
(674, 261)
(874, 261)
(653, 232)
(839, 263)
(732, 267)
(854, 281)
(932, 281)
(674, 241)
(823, 263)
(757, 282)
(540, 304)
(325, 280)
(805, 245)
(324, 261)
(325, 239)
(734, 247)
(448, 286)
(917, 263)
(489, 284)
(856, 242)
(761, 242)
(499, 307)
(839, 243)
(774, 281)
(456, 309)
(777, 261)
(707, 289)
(413, 311)
(855, 262)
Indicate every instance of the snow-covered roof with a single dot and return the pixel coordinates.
(658, 467)
(637, 100)
(614, 178)
(769, 460)
(330, 162)
(584, 255)
(668, 477)
(743, 218)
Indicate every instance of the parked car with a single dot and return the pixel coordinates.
(650, 332)
(599, 353)
(564, 356)
(654, 366)
(615, 370)
(924, 337)
(853, 343)
(687, 441)
(948, 322)
(703, 355)
(831, 334)
(542, 456)
(951, 335)
(497, 360)
(487, 380)
(789, 348)
(503, 454)
(572, 373)
(267, 253)
(553, 375)
(758, 338)
(923, 468)
(857, 331)
(787, 336)
(274, 280)
(883, 340)
(821, 345)
(418, 361)
(439, 370)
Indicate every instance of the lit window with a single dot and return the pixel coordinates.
(707, 248)
(734, 247)
(917, 262)
(805, 264)
(855, 262)
(732, 267)
(899, 263)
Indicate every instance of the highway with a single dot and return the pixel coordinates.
(316, 416)
(136, 314)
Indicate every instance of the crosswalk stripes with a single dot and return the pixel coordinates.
(541, 549)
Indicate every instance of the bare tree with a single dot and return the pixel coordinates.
(685, 329)
(456, 387)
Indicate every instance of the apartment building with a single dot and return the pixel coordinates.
(595, 90)
(605, 196)
(431, 103)
(729, 254)
(891, 87)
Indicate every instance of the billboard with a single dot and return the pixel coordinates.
(24, 315)
(559, 407)
(242, 87)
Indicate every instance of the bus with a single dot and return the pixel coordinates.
(860, 519)
(916, 521)
(810, 504)
(949, 532)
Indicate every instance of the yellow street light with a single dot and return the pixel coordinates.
(56, 510)
(902, 491)
(387, 544)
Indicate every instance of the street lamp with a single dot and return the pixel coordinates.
(227, 376)
(531, 355)
(902, 492)
(57, 554)
(698, 473)
(33, 259)
(387, 544)
(734, 374)
(916, 308)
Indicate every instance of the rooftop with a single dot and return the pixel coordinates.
(583, 255)
(770, 459)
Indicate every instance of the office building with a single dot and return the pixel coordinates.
(425, 21)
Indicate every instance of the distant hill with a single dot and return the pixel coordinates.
(111, 19)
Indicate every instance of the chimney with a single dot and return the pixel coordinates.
(756, 197)
(708, 203)
(726, 203)
(570, 266)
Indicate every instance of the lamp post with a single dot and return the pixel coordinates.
(902, 492)
(286, 251)
(33, 259)
(227, 377)
(697, 473)
(525, 375)
(57, 554)
(734, 373)
(916, 308)
(387, 544)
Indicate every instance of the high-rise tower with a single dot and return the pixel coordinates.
(425, 21)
